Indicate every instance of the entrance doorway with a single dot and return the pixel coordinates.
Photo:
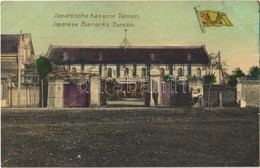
(115, 93)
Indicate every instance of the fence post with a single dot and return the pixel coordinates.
(220, 99)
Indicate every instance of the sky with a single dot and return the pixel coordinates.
(167, 23)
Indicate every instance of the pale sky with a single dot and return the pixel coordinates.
(169, 23)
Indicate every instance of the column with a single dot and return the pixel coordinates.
(170, 69)
(134, 70)
(118, 70)
(155, 84)
(100, 70)
(189, 70)
(94, 89)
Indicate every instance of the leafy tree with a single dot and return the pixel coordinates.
(209, 79)
(43, 68)
(168, 78)
(236, 74)
(215, 63)
(254, 72)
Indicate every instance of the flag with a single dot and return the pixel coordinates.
(214, 18)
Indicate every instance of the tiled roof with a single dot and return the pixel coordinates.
(9, 44)
(168, 55)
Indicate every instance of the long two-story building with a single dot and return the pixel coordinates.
(120, 65)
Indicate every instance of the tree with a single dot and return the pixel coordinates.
(43, 68)
(254, 72)
(209, 79)
(236, 74)
(168, 78)
(217, 64)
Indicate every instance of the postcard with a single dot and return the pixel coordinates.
(129, 83)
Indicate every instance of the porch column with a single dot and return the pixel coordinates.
(155, 81)
(94, 89)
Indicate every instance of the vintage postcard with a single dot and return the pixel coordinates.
(129, 83)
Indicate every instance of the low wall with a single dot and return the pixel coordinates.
(228, 95)
(29, 97)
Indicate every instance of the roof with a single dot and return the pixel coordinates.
(9, 44)
(168, 54)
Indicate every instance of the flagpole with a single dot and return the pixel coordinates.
(198, 17)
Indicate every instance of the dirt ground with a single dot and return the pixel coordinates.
(129, 137)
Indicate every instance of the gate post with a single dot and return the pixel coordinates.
(103, 93)
(55, 93)
(94, 89)
(155, 83)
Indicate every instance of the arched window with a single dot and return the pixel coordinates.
(143, 72)
(126, 72)
(74, 70)
(180, 72)
(109, 72)
(198, 72)
(162, 72)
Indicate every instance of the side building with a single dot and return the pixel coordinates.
(19, 80)
(120, 65)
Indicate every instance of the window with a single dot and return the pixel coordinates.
(162, 72)
(143, 72)
(126, 72)
(74, 70)
(198, 72)
(180, 72)
(109, 72)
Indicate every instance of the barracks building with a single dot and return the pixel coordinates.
(96, 76)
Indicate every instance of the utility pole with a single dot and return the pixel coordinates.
(19, 70)
(221, 72)
(220, 68)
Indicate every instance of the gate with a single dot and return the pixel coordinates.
(181, 95)
(73, 97)
(166, 95)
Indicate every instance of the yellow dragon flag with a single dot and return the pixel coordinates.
(214, 18)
